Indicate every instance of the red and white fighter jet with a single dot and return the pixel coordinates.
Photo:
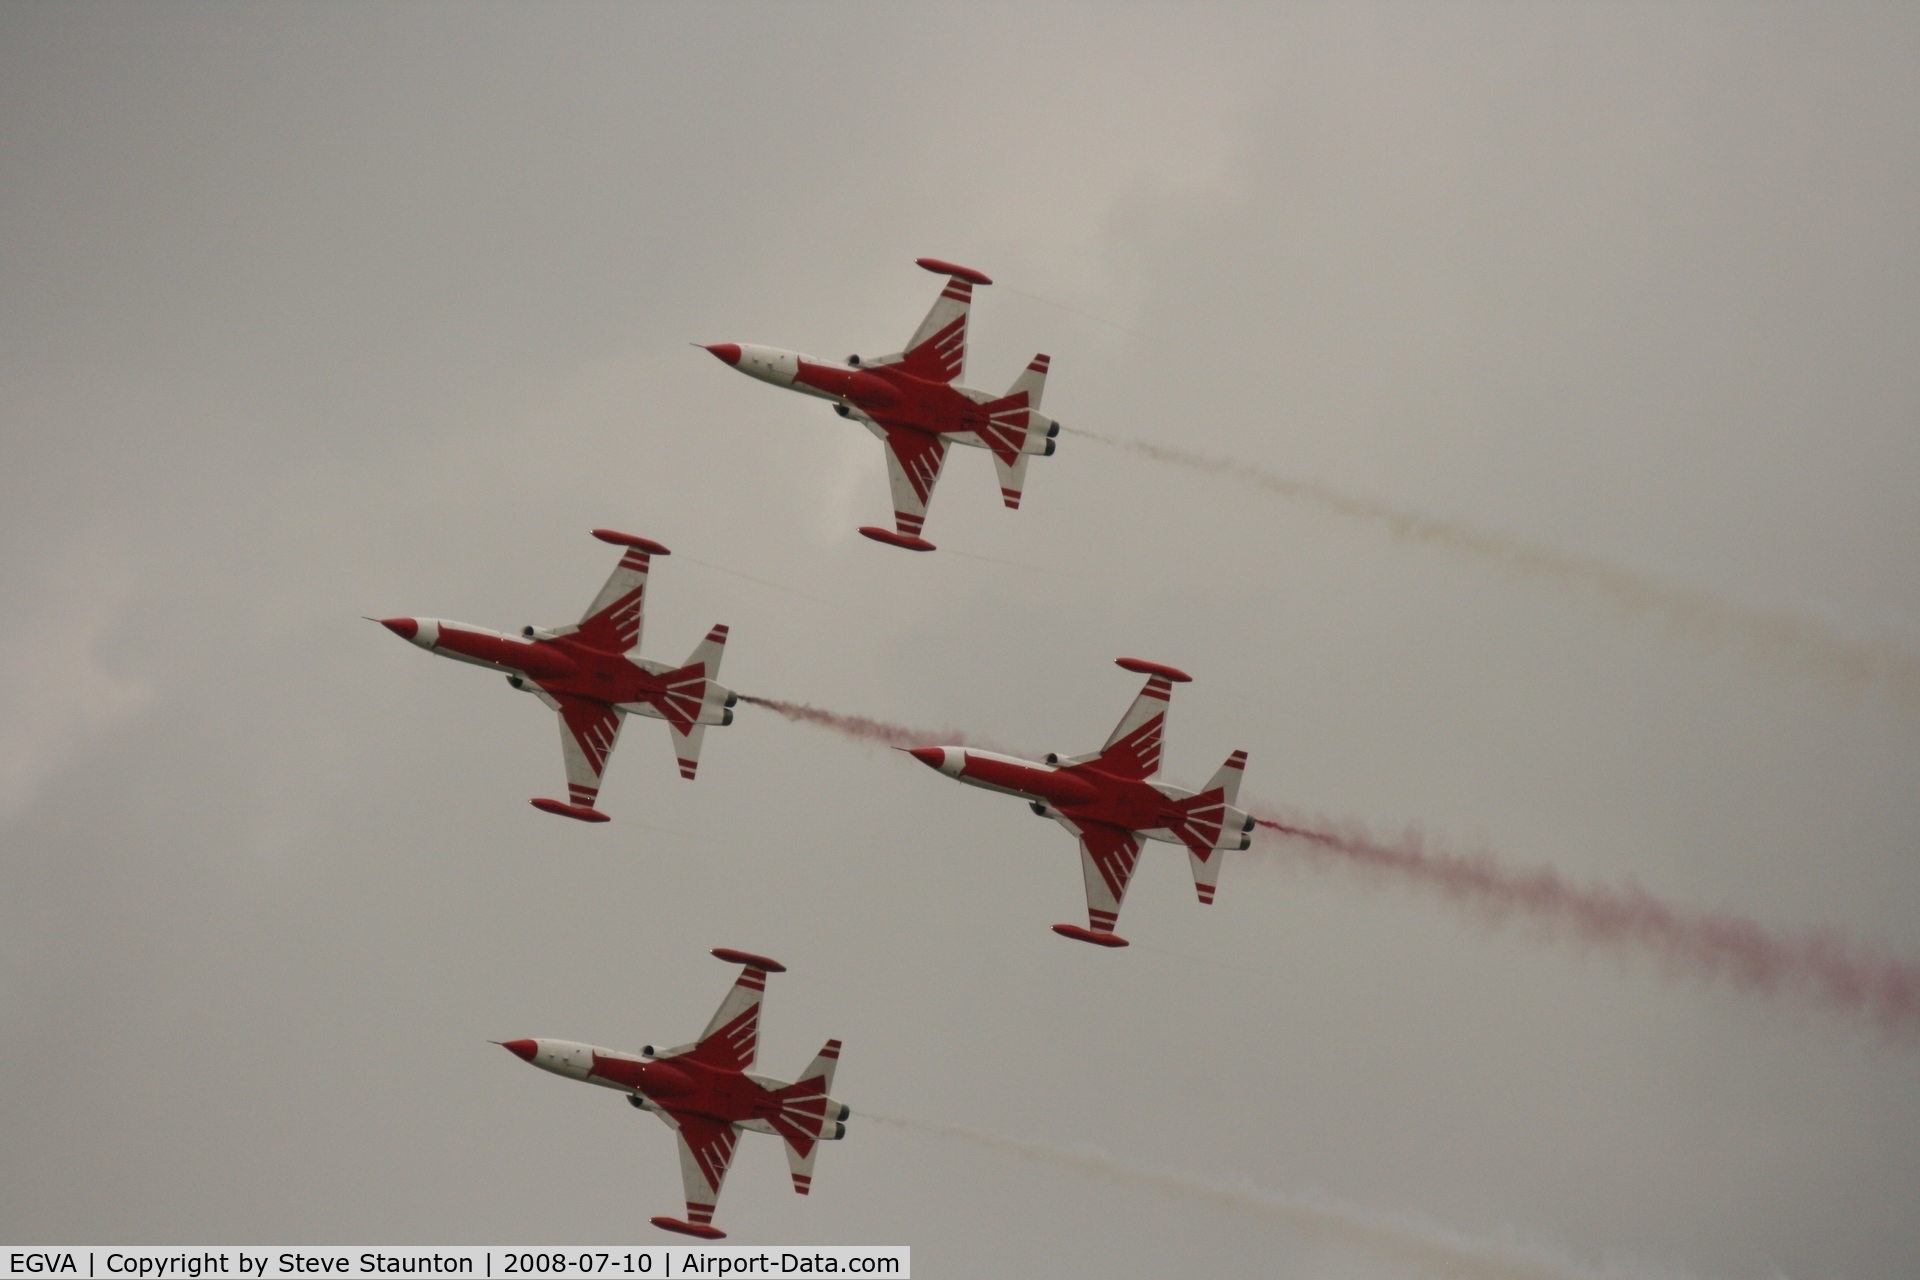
(592, 674)
(1109, 800)
(914, 402)
(706, 1092)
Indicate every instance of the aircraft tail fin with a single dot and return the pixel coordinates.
(1226, 779)
(709, 651)
(808, 1116)
(1032, 380)
(696, 699)
(821, 1068)
(1015, 429)
(1209, 823)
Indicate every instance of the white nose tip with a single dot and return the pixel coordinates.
(769, 364)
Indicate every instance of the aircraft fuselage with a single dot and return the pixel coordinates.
(883, 394)
(1080, 793)
(559, 665)
(681, 1085)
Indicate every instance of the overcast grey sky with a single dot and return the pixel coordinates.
(312, 312)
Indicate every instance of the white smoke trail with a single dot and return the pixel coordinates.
(1778, 634)
(1406, 1238)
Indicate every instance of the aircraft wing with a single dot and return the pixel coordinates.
(732, 1038)
(614, 619)
(938, 351)
(706, 1151)
(1133, 749)
(588, 731)
(1108, 856)
(914, 462)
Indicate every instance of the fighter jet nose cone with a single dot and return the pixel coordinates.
(522, 1049)
(405, 628)
(932, 757)
(727, 351)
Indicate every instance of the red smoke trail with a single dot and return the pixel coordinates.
(1823, 966)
